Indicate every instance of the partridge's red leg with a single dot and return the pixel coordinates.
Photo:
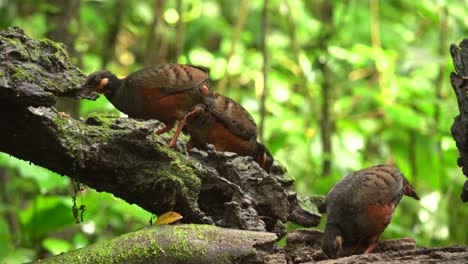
(181, 125)
(372, 244)
(370, 248)
(357, 246)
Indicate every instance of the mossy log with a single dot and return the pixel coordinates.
(459, 80)
(177, 244)
(123, 156)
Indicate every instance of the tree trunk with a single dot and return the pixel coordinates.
(459, 80)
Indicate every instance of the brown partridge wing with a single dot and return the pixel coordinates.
(169, 78)
(233, 116)
(380, 184)
(374, 185)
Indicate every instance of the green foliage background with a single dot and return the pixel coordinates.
(378, 68)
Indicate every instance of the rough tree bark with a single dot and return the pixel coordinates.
(459, 80)
(124, 157)
(303, 246)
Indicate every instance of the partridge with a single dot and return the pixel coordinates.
(360, 207)
(165, 92)
(226, 125)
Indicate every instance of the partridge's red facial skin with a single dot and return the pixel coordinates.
(165, 92)
(226, 125)
(360, 207)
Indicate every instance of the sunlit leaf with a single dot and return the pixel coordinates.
(45, 214)
(56, 246)
(168, 218)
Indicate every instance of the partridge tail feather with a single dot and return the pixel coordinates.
(408, 189)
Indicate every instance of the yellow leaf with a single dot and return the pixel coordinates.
(168, 218)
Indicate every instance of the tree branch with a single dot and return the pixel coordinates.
(176, 244)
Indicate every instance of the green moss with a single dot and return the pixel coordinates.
(174, 243)
(157, 249)
(49, 83)
(21, 75)
(186, 173)
(16, 43)
(201, 232)
(181, 249)
(1, 73)
(45, 56)
(101, 119)
(59, 51)
(12, 41)
(59, 47)
(103, 252)
(75, 133)
(72, 141)
(178, 170)
(223, 258)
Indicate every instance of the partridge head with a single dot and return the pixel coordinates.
(360, 207)
(166, 92)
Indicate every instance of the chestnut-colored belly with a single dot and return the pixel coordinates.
(379, 216)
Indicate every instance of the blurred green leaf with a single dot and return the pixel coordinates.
(6, 245)
(46, 214)
(45, 179)
(404, 116)
(20, 255)
(56, 246)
